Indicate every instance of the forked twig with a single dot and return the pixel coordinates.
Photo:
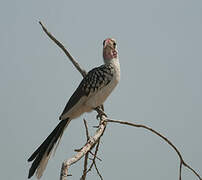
(86, 148)
(94, 156)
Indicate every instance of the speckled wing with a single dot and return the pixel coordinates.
(94, 81)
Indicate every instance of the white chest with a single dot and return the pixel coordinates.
(99, 98)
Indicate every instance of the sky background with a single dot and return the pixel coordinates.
(160, 50)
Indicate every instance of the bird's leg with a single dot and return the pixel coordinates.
(100, 111)
(102, 107)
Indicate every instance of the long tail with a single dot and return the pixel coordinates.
(43, 152)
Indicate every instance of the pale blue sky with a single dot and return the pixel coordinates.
(160, 49)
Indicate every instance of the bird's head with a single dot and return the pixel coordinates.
(109, 49)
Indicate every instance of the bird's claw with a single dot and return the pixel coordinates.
(100, 113)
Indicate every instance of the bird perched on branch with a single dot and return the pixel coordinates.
(93, 90)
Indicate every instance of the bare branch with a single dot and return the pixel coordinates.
(96, 150)
(75, 63)
(94, 162)
(98, 172)
(182, 162)
(87, 154)
(189, 167)
(180, 173)
(85, 166)
(86, 148)
(86, 127)
(94, 156)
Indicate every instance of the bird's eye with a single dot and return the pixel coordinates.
(114, 44)
(103, 42)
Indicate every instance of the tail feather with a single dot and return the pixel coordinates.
(43, 152)
(42, 165)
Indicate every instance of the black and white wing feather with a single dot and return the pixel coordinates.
(93, 82)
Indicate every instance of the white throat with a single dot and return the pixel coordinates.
(115, 63)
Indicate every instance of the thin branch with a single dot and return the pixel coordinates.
(180, 173)
(98, 172)
(75, 63)
(91, 166)
(189, 167)
(86, 127)
(96, 150)
(87, 154)
(93, 160)
(163, 137)
(85, 166)
(86, 148)
(95, 156)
